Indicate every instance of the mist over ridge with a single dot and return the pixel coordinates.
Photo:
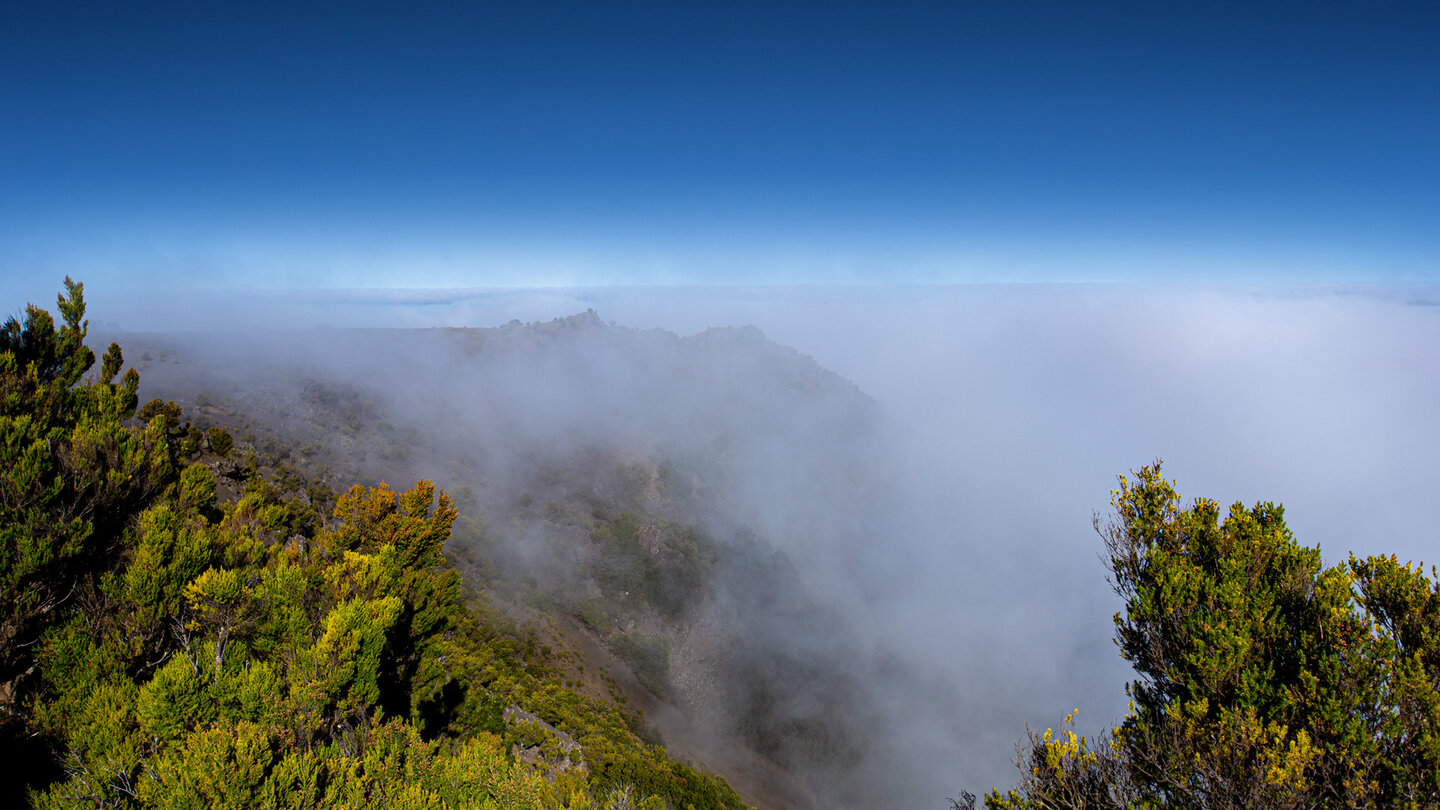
(1306, 347)
(1003, 415)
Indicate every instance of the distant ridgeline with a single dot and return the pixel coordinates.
(664, 497)
(190, 618)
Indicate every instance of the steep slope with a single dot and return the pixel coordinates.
(165, 644)
(629, 486)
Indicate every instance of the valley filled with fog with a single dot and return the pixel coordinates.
(934, 494)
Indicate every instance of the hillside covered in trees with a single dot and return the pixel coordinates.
(283, 646)
(666, 510)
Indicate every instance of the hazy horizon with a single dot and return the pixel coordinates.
(461, 145)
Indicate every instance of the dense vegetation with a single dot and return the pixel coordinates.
(613, 498)
(161, 647)
(1265, 679)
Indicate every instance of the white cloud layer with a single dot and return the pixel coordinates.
(1011, 409)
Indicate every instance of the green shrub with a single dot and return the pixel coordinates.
(220, 441)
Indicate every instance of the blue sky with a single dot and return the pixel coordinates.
(358, 144)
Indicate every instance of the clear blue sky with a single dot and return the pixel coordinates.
(411, 144)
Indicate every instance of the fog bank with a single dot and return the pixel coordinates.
(974, 602)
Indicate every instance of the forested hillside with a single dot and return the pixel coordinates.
(277, 645)
(670, 502)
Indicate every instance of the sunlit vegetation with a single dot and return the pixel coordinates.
(1264, 679)
(284, 647)
(622, 508)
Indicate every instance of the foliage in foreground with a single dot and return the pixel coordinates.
(160, 649)
(1264, 679)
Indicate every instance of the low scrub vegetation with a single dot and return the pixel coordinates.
(161, 648)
